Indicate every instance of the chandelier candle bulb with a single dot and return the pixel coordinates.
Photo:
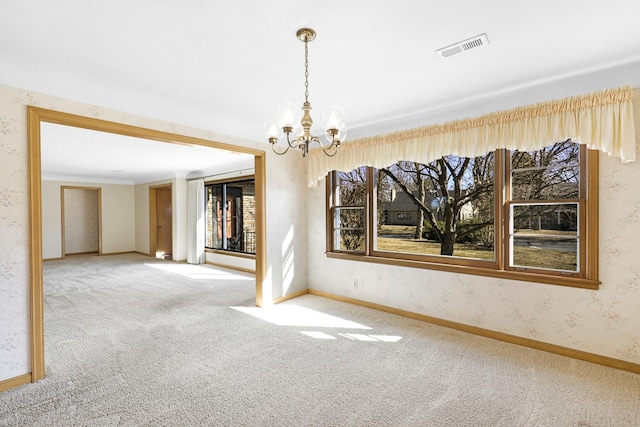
(289, 117)
(273, 131)
(333, 122)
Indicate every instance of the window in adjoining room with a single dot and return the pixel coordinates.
(230, 216)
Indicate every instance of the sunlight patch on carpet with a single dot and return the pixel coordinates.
(294, 315)
(318, 335)
(200, 272)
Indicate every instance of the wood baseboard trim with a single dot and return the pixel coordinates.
(6, 385)
(95, 253)
(231, 253)
(141, 253)
(290, 296)
(500, 336)
(119, 253)
(83, 254)
(231, 267)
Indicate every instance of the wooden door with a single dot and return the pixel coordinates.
(164, 227)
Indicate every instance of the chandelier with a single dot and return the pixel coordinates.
(290, 120)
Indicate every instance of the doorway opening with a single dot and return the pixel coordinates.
(35, 117)
(161, 222)
(81, 221)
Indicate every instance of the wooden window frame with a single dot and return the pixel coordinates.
(225, 182)
(586, 277)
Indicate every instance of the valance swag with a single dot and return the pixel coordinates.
(603, 121)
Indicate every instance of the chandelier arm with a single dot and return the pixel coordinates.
(328, 153)
(330, 150)
(294, 143)
(326, 146)
(279, 153)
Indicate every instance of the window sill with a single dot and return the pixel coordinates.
(477, 271)
(230, 253)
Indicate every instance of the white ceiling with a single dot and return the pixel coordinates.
(75, 154)
(226, 65)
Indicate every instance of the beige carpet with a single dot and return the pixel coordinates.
(134, 341)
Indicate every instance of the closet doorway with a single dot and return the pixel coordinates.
(81, 220)
(161, 221)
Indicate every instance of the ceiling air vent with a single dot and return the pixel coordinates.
(463, 46)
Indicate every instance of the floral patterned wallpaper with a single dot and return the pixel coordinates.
(15, 359)
(604, 322)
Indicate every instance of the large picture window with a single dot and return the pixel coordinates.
(528, 215)
(230, 216)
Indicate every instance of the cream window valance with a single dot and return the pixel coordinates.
(603, 121)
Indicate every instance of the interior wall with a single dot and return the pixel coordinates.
(141, 195)
(180, 194)
(118, 217)
(604, 322)
(231, 261)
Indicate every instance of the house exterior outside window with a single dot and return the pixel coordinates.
(230, 216)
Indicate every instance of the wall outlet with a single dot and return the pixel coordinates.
(355, 283)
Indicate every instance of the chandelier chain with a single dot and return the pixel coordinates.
(306, 71)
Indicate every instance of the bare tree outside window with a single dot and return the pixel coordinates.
(350, 210)
(453, 200)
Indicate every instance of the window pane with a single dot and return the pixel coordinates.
(349, 229)
(230, 222)
(545, 236)
(552, 172)
(214, 216)
(245, 217)
(352, 188)
(350, 217)
(443, 208)
(546, 183)
(349, 240)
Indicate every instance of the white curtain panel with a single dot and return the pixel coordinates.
(195, 222)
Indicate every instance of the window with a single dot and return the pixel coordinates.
(230, 216)
(544, 208)
(350, 212)
(447, 208)
(513, 214)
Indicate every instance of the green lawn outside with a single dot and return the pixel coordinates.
(399, 238)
